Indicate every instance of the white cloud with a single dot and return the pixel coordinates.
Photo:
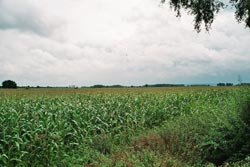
(64, 42)
(26, 16)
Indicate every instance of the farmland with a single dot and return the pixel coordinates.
(125, 127)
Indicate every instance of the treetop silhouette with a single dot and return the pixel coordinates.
(204, 10)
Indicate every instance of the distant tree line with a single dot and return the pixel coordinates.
(107, 86)
(231, 84)
(12, 84)
(199, 85)
(225, 84)
(245, 84)
(164, 85)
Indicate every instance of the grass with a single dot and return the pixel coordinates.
(125, 127)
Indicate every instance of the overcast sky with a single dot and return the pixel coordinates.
(128, 42)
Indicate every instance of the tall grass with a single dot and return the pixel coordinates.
(217, 134)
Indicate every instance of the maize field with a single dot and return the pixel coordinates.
(75, 128)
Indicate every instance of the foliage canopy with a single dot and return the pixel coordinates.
(205, 10)
(9, 84)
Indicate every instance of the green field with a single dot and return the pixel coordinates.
(203, 126)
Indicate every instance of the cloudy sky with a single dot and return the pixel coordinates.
(128, 42)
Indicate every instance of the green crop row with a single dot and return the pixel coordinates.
(49, 131)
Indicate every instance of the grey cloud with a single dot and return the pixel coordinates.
(24, 16)
(147, 45)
